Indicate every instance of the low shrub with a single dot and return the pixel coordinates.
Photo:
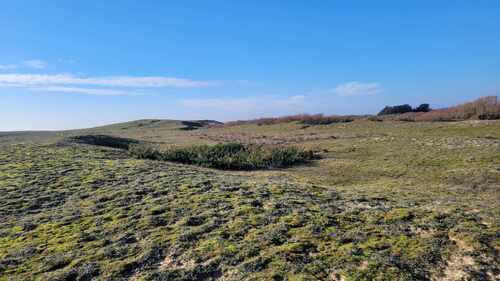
(319, 119)
(307, 119)
(144, 152)
(425, 107)
(229, 156)
(404, 108)
(397, 109)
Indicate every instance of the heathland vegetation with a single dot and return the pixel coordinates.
(354, 198)
(228, 156)
(485, 108)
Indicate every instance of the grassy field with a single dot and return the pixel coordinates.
(387, 201)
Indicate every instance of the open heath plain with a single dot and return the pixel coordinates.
(377, 200)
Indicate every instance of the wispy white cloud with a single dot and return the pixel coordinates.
(30, 80)
(248, 104)
(7, 66)
(38, 64)
(87, 91)
(255, 106)
(356, 88)
(35, 63)
(231, 104)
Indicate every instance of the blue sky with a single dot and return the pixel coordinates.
(75, 64)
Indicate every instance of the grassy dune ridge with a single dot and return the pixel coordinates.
(387, 201)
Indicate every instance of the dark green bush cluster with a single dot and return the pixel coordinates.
(230, 156)
(404, 108)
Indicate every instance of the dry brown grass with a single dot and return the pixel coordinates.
(482, 108)
(309, 119)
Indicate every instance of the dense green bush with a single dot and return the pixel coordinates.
(425, 107)
(144, 152)
(404, 108)
(397, 109)
(230, 156)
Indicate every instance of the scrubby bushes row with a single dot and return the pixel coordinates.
(319, 119)
(308, 119)
(404, 108)
(230, 156)
(485, 108)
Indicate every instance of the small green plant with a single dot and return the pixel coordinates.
(229, 156)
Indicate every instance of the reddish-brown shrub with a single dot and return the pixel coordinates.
(482, 108)
(309, 119)
(485, 108)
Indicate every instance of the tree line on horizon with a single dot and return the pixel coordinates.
(404, 108)
(484, 108)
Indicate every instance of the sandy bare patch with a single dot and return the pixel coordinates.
(456, 266)
(334, 276)
(171, 262)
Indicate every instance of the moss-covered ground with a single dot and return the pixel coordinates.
(387, 201)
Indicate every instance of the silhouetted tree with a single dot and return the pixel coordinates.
(423, 108)
(397, 109)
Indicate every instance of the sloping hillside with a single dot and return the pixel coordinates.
(154, 130)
